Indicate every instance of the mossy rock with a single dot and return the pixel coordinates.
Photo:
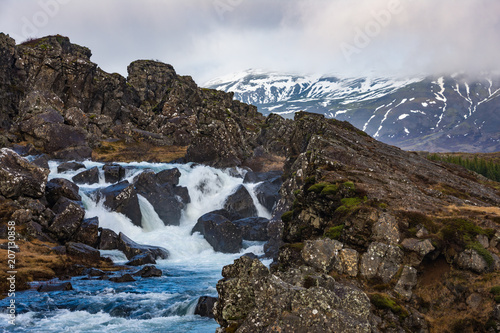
(317, 188)
(287, 216)
(334, 232)
(331, 189)
(385, 302)
(476, 246)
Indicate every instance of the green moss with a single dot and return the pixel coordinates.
(350, 185)
(495, 290)
(310, 180)
(497, 298)
(351, 202)
(383, 205)
(334, 232)
(383, 302)
(296, 246)
(461, 231)
(476, 246)
(287, 216)
(317, 188)
(296, 192)
(329, 190)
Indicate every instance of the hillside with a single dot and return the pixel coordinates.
(447, 113)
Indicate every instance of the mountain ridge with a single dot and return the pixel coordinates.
(438, 114)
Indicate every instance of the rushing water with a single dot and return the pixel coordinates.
(161, 304)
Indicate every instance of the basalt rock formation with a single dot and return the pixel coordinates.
(55, 98)
(371, 238)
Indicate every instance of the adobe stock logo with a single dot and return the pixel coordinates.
(364, 36)
(48, 10)
(224, 6)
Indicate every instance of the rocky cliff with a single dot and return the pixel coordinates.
(371, 239)
(55, 98)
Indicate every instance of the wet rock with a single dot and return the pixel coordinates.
(321, 253)
(60, 187)
(471, 260)
(219, 232)
(141, 259)
(205, 306)
(162, 193)
(89, 177)
(69, 216)
(94, 272)
(131, 248)
(268, 193)
(228, 215)
(122, 198)
(122, 279)
(406, 282)
(45, 288)
(257, 177)
(253, 228)
(42, 161)
(69, 166)
(82, 251)
(113, 173)
(149, 271)
(382, 261)
(18, 177)
(241, 203)
(108, 240)
(88, 233)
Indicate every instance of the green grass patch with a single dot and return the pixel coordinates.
(476, 246)
(350, 185)
(351, 202)
(495, 290)
(317, 188)
(461, 231)
(334, 232)
(329, 190)
(384, 302)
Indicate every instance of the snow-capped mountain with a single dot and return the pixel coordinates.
(446, 113)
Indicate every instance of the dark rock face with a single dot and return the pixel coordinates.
(113, 173)
(108, 239)
(131, 248)
(122, 279)
(59, 187)
(68, 219)
(253, 228)
(205, 306)
(268, 193)
(161, 191)
(42, 161)
(18, 177)
(149, 271)
(257, 177)
(88, 233)
(240, 203)
(219, 232)
(69, 166)
(45, 288)
(122, 198)
(141, 259)
(90, 176)
(82, 251)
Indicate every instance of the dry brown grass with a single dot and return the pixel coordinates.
(266, 163)
(120, 151)
(478, 209)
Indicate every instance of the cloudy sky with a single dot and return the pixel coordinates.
(211, 38)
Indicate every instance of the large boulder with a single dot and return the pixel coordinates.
(82, 251)
(149, 271)
(381, 261)
(60, 187)
(70, 166)
(88, 233)
(241, 203)
(122, 198)
(257, 177)
(68, 219)
(253, 228)
(45, 288)
(219, 232)
(113, 173)
(18, 177)
(205, 306)
(162, 192)
(268, 192)
(141, 259)
(108, 240)
(473, 261)
(90, 176)
(131, 248)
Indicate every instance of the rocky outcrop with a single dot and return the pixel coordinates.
(205, 306)
(18, 177)
(163, 193)
(253, 228)
(240, 203)
(219, 232)
(90, 176)
(131, 248)
(122, 198)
